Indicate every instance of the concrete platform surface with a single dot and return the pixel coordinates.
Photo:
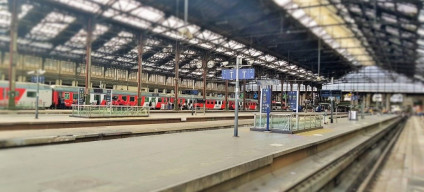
(404, 168)
(150, 163)
(49, 136)
(20, 118)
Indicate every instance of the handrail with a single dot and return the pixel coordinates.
(287, 122)
(109, 111)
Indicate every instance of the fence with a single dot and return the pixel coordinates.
(287, 123)
(109, 111)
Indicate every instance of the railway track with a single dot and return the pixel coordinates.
(340, 164)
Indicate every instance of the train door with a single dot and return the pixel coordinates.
(96, 99)
(133, 101)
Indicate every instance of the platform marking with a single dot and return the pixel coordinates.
(316, 133)
(276, 145)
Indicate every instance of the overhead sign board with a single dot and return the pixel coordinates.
(331, 93)
(230, 74)
(377, 97)
(396, 98)
(96, 90)
(39, 80)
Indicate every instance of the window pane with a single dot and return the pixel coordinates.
(67, 96)
(31, 94)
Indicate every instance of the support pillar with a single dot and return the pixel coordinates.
(291, 86)
(140, 50)
(244, 94)
(13, 52)
(368, 100)
(177, 78)
(204, 76)
(282, 92)
(287, 88)
(226, 95)
(88, 61)
(387, 102)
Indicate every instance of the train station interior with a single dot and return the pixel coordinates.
(211, 95)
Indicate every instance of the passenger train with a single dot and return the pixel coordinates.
(62, 97)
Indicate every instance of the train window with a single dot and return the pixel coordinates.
(31, 94)
(75, 96)
(124, 98)
(114, 98)
(159, 99)
(67, 96)
(132, 99)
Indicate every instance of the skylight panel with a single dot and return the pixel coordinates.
(254, 52)
(233, 45)
(81, 4)
(407, 8)
(126, 5)
(117, 42)
(148, 13)
(298, 13)
(50, 26)
(159, 29)
(209, 35)
(206, 45)
(173, 22)
(389, 18)
(282, 3)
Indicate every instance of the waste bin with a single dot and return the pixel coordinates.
(353, 115)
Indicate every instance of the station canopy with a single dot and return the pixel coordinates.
(283, 38)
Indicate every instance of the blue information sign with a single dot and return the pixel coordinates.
(81, 95)
(292, 99)
(230, 74)
(266, 100)
(331, 93)
(40, 79)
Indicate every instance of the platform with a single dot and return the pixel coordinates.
(49, 121)
(404, 168)
(155, 162)
(20, 138)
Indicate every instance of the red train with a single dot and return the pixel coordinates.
(64, 96)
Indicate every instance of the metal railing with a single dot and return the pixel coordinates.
(287, 122)
(109, 111)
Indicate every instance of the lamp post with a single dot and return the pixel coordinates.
(37, 74)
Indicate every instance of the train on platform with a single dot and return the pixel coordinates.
(63, 97)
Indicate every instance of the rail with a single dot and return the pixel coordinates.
(109, 111)
(287, 123)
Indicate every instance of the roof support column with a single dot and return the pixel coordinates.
(177, 77)
(140, 72)
(244, 94)
(291, 85)
(204, 61)
(282, 93)
(88, 60)
(13, 51)
(226, 95)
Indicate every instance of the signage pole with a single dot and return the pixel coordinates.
(78, 102)
(38, 92)
(297, 109)
(268, 110)
(260, 109)
(238, 61)
(332, 107)
(111, 101)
